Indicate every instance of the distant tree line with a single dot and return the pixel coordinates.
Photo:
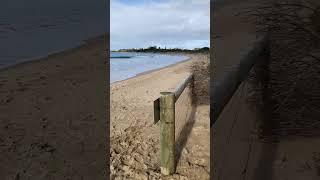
(155, 49)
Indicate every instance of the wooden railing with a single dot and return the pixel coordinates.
(164, 110)
(223, 90)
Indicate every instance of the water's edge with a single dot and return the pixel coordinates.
(23, 62)
(153, 70)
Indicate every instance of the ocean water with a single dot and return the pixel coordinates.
(35, 28)
(125, 65)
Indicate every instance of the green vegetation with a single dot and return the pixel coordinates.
(155, 49)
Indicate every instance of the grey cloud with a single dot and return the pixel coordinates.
(181, 23)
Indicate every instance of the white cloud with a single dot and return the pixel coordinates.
(170, 23)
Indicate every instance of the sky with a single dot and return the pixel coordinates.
(162, 23)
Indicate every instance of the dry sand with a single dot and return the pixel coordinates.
(134, 137)
(53, 116)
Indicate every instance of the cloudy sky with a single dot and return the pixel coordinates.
(164, 23)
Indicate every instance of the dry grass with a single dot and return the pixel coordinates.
(295, 63)
(201, 72)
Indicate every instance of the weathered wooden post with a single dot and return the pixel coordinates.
(167, 139)
(164, 110)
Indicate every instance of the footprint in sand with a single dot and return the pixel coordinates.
(9, 99)
(45, 99)
(43, 77)
(3, 82)
(48, 98)
(22, 89)
(37, 107)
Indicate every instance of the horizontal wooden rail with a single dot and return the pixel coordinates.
(177, 92)
(224, 90)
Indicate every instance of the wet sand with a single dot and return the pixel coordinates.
(53, 115)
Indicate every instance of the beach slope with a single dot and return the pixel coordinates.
(53, 116)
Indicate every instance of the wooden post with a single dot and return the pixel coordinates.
(167, 139)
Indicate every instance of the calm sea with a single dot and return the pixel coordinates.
(126, 65)
(36, 28)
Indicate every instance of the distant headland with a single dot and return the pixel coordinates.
(155, 49)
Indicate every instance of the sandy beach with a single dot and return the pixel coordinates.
(135, 139)
(54, 125)
(143, 89)
(53, 116)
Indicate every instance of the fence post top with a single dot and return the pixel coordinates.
(166, 93)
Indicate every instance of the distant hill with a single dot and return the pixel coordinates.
(155, 49)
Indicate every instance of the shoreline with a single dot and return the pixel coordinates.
(153, 70)
(188, 55)
(37, 59)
